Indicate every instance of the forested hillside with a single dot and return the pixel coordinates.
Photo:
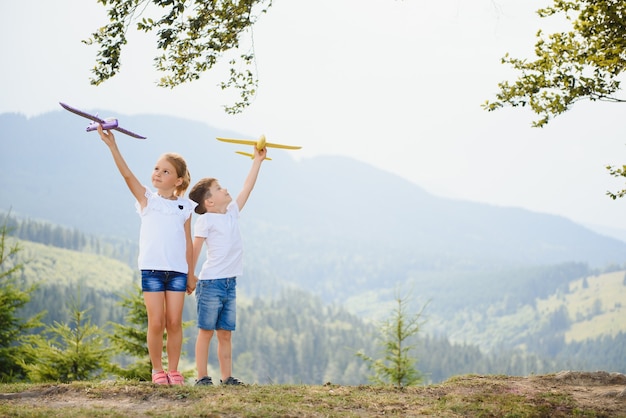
(295, 337)
(47, 233)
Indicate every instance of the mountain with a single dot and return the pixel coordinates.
(330, 224)
(56, 171)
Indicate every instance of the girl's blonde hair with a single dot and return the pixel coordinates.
(181, 171)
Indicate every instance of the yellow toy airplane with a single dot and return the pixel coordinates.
(260, 144)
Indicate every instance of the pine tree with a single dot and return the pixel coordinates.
(67, 352)
(12, 298)
(396, 366)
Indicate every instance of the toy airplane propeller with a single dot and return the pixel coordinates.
(109, 123)
(260, 144)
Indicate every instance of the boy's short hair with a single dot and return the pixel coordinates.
(200, 192)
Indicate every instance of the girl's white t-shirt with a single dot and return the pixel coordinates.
(162, 244)
(224, 246)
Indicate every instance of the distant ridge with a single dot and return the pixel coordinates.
(62, 174)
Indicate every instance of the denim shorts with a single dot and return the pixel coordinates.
(161, 281)
(216, 304)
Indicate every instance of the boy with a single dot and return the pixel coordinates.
(218, 227)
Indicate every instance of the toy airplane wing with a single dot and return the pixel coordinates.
(247, 154)
(96, 120)
(127, 132)
(269, 144)
(81, 113)
(250, 142)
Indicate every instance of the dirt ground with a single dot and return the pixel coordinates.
(601, 392)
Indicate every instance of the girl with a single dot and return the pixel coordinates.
(165, 254)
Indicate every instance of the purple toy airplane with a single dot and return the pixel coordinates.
(106, 123)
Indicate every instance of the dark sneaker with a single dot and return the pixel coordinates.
(205, 381)
(232, 381)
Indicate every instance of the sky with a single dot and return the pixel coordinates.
(397, 84)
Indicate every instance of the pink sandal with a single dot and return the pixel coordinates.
(176, 378)
(160, 378)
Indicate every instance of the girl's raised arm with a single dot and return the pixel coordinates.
(135, 186)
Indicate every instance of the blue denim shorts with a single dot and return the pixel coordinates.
(217, 304)
(161, 281)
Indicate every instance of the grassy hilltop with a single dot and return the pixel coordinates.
(563, 394)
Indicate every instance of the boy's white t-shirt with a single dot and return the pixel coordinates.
(162, 243)
(224, 246)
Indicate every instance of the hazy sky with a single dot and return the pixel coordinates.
(396, 84)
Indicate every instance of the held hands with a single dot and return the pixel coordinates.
(192, 281)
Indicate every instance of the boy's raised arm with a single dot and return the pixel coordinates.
(248, 185)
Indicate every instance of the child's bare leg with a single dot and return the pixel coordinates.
(155, 307)
(174, 302)
(202, 351)
(225, 352)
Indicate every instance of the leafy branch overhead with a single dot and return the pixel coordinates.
(192, 37)
(584, 63)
